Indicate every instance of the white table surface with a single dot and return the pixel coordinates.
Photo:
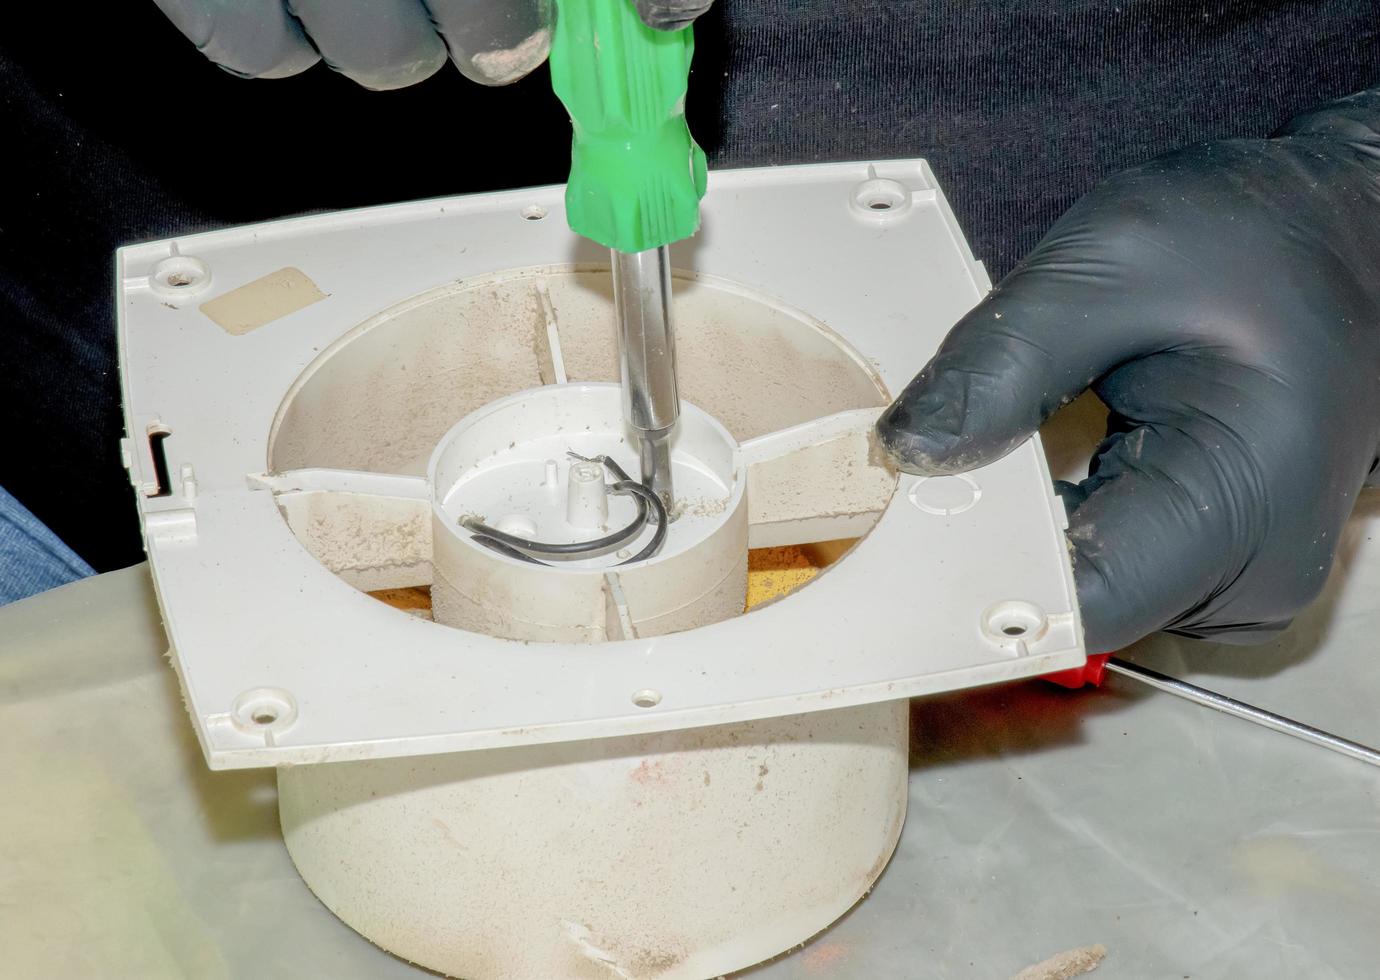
(1188, 843)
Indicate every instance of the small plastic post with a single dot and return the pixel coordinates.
(587, 498)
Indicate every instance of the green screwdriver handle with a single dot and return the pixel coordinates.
(636, 175)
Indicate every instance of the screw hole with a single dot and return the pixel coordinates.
(881, 198)
(534, 212)
(269, 708)
(647, 698)
(1014, 620)
(179, 277)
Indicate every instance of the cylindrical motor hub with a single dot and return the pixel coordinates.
(498, 465)
(683, 854)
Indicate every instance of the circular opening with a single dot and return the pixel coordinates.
(881, 197)
(647, 698)
(534, 212)
(179, 277)
(264, 707)
(389, 390)
(1013, 620)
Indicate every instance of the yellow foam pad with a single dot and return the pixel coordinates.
(774, 572)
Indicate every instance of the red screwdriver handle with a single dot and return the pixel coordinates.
(1091, 673)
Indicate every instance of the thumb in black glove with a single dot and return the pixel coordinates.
(1224, 302)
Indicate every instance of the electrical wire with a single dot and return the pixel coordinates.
(649, 507)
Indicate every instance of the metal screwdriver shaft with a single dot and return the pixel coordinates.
(647, 359)
(636, 179)
(1231, 706)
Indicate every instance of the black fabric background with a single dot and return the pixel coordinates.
(115, 130)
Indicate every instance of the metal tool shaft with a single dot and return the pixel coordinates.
(647, 359)
(1231, 706)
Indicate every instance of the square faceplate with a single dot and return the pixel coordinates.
(247, 508)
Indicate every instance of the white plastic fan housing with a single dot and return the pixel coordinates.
(308, 366)
(590, 770)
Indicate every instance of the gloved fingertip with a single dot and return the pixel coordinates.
(916, 445)
(670, 24)
(503, 66)
(671, 15)
(389, 78)
(297, 63)
(926, 444)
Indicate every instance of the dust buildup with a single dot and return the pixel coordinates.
(699, 507)
(355, 544)
(509, 64)
(833, 478)
(383, 400)
(1063, 966)
(352, 532)
(384, 397)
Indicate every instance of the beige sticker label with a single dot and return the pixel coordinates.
(262, 301)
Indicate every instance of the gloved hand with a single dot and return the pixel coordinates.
(386, 44)
(1224, 302)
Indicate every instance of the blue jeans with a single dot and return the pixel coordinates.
(32, 558)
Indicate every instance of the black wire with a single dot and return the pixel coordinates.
(514, 546)
(627, 484)
(503, 549)
(659, 536)
(574, 549)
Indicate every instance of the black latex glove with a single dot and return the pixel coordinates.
(671, 15)
(1224, 301)
(387, 44)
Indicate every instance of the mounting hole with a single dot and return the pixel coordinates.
(1014, 620)
(264, 709)
(533, 212)
(179, 277)
(881, 198)
(647, 698)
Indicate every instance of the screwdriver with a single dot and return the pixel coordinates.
(636, 179)
(1094, 670)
